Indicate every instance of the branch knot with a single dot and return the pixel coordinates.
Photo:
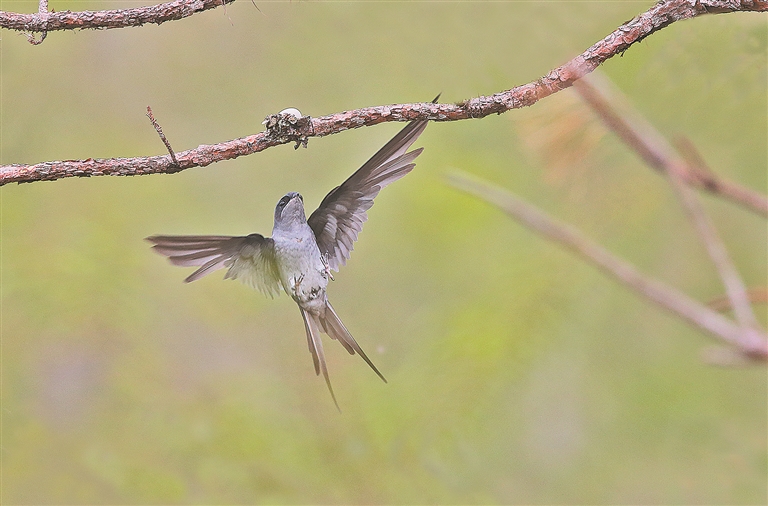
(289, 125)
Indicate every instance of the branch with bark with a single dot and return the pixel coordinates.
(657, 17)
(43, 21)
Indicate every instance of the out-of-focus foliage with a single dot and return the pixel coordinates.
(517, 373)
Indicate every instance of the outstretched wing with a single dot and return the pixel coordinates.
(251, 259)
(342, 212)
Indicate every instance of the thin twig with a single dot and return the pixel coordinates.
(162, 136)
(751, 344)
(257, 7)
(653, 148)
(639, 135)
(699, 174)
(657, 17)
(734, 285)
(757, 295)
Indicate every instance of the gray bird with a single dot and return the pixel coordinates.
(301, 253)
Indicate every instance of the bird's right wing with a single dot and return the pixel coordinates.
(342, 212)
(251, 259)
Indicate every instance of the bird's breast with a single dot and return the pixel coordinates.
(302, 271)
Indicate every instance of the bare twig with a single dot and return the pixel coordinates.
(724, 356)
(639, 135)
(699, 174)
(45, 21)
(756, 296)
(656, 151)
(657, 17)
(162, 136)
(734, 285)
(752, 344)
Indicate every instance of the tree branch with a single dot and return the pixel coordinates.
(758, 295)
(657, 17)
(655, 151)
(700, 175)
(640, 136)
(751, 344)
(44, 21)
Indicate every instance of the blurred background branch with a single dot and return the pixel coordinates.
(654, 149)
(640, 136)
(698, 173)
(757, 295)
(657, 17)
(701, 316)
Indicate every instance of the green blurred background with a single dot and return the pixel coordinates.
(517, 374)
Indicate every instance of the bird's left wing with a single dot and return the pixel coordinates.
(251, 259)
(342, 212)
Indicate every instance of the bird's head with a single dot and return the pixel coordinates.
(290, 210)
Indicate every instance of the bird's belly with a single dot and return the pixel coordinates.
(303, 275)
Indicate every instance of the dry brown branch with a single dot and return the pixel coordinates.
(44, 21)
(657, 17)
(640, 136)
(750, 343)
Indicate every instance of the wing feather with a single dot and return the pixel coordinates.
(251, 259)
(340, 217)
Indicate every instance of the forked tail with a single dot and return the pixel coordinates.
(331, 324)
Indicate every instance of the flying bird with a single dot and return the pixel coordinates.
(301, 253)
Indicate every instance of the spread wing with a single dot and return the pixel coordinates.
(251, 259)
(342, 212)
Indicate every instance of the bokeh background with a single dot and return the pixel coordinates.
(517, 373)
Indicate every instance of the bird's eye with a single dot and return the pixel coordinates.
(283, 201)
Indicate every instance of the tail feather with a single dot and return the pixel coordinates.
(331, 324)
(334, 327)
(316, 349)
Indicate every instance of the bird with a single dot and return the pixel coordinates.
(301, 254)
